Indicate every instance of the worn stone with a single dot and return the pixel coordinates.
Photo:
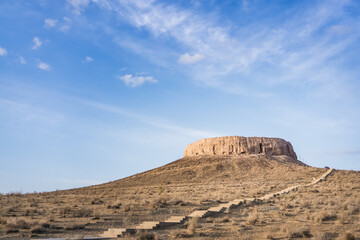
(240, 145)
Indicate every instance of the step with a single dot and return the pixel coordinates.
(199, 213)
(238, 201)
(249, 200)
(148, 225)
(175, 219)
(113, 232)
(216, 209)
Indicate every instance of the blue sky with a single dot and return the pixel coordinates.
(96, 90)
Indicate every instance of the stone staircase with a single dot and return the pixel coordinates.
(173, 220)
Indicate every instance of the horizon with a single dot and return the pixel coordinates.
(92, 91)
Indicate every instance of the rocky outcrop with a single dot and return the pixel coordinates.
(240, 145)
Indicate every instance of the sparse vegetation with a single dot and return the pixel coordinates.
(330, 205)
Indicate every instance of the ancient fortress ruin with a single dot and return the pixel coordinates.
(240, 145)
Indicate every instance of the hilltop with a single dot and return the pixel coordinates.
(212, 171)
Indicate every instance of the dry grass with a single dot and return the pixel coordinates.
(157, 194)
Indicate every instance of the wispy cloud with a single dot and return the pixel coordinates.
(44, 66)
(189, 59)
(22, 60)
(151, 120)
(62, 25)
(65, 26)
(3, 51)
(26, 112)
(50, 23)
(37, 43)
(78, 5)
(291, 52)
(135, 81)
(88, 59)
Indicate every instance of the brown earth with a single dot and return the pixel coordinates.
(194, 183)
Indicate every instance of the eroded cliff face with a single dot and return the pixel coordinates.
(240, 145)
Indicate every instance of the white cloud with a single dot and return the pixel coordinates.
(134, 81)
(62, 25)
(188, 59)
(152, 120)
(37, 43)
(78, 5)
(50, 23)
(44, 66)
(256, 54)
(22, 60)
(3, 51)
(64, 28)
(88, 59)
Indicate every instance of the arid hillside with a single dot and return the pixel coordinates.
(189, 184)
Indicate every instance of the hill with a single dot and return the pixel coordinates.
(204, 178)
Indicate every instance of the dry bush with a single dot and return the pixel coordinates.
(253, 218)
(348, 236)
(75, 227)
(160, 189)
(354, 209)
(82, 212)
(160, 202)
(37, 229)
(192, 224)
(268, 236)
(147, 236)
(179, 234)
(325, 216)
(3, 220)
(306, 204)
(126, 208)
(30, 212)
(344, 218)
(14, 225)
(65, 211)
(300, 233)
(97, 201)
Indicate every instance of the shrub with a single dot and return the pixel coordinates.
(3, 220)
(327, 236)
(97, 201)
(301, 233)
(65, 211)
(348, 236)
(19, 224)
(253, 219)
(75, 227)
(192, 224)
(37, 229)
(161, 189)
(160, 202)
(147, 236)
(354, 209)
(327, 217)
(82, 212)
(268, 236)
(115, 205)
